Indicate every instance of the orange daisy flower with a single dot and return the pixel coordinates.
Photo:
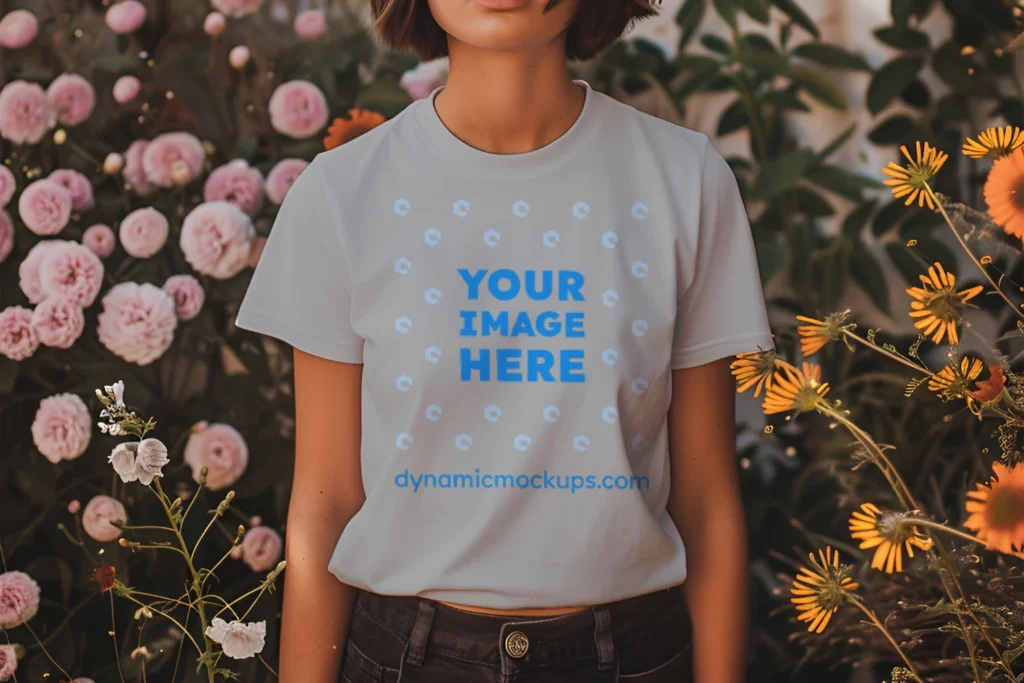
(815, 334)
(792, 389)
(997, 509)
(359, 121)
(937, 304)
(818, 592)
(995, 141)
(989, 389)
(910, 181)
(1004, 193)
(889, 534)
(754, 369)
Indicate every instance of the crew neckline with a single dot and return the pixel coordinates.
(539, 160)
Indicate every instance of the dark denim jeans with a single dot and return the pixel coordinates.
(412, 640)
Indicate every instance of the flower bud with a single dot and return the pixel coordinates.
(112, 165)
(239, 56)
(214, 24)
(180, 173)
(60, 136)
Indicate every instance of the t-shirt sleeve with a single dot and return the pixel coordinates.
(721, 311)
(301, 289)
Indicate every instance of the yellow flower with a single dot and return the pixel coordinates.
(997, 509)
(937, 304)
(792, 389)
(995, 141)
(889, 534)
(818, 592)
(910, 181)
(1004, 193)
(816, 333)
(754, 369)
(956, 379)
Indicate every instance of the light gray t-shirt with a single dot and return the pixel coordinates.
(518, 318)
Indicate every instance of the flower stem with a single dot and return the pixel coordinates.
(942, 527)
(167, 616)
(46, 652)
(888, 636)
(887, 353)
(984, 271)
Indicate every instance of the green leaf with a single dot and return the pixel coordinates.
(716, 44)
(901, 11)
(811, 202)
(771, 255)
(819, 87)
(727, 10)
(688, 18)
(952, 67)
(916, 94)
(896, 130)
(784, 99)
(764, 61)
(733, 118)
(756, 10)
(781, 174)
(831, 55)
(792, 10)
(857, 219)
(869, 276)
(830, 269)
(890, 80)
(841, 181)
(700, 80)
(907, 39)
(891, 215)
(952, 107)
(383, 96)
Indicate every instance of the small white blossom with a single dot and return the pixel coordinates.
(115, 429)
(123, 460)
(116, 391)
(238, 640)
(135, 461)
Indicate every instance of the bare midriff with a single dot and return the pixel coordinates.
(536, 612)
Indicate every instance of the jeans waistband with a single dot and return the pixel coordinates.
(593, 632)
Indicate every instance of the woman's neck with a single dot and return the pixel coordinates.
(508, 102)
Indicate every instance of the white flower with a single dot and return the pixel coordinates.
(238, 640)
(117, 391)
(150, 459)
(123, 460)
(140, 462)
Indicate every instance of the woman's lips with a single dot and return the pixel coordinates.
(501, 4)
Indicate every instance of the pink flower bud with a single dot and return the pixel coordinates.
(239, 56)
(74, 506)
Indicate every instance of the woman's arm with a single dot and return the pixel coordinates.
(327, 492)
(706, 507)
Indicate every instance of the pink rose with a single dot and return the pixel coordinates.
(298, 109)
(7, 186)
(256, 251)
(19, 598)
(98, 515)
(261, 548)
(78, 185)
(126, 16)
(238, 183)
(73, 271)
(143, 232)
(137, 322)
(28, 270)
(221, 449)
(8, 662)
(188, 295)
(25, 113)
(160, 155)
(18, 339)
(18, 28)
(72, 97)
(99, 239)
(126, 88)
(134, 173)
(45, 207)
(58, 322)
(62, 427)
(214, 24)
(310, 24)
(6, 235)
(216, 238)
(419, 83)
(282, 177)
(236, 8)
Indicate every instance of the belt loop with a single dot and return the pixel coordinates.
(603, 637)
(420, 633)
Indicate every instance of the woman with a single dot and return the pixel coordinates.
(513, 308)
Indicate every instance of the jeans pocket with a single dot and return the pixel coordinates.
(373, 654)
(672, 671)
(357, 667)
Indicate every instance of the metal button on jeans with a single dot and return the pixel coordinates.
(516, 644)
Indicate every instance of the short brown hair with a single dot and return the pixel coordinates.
(409, 25)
